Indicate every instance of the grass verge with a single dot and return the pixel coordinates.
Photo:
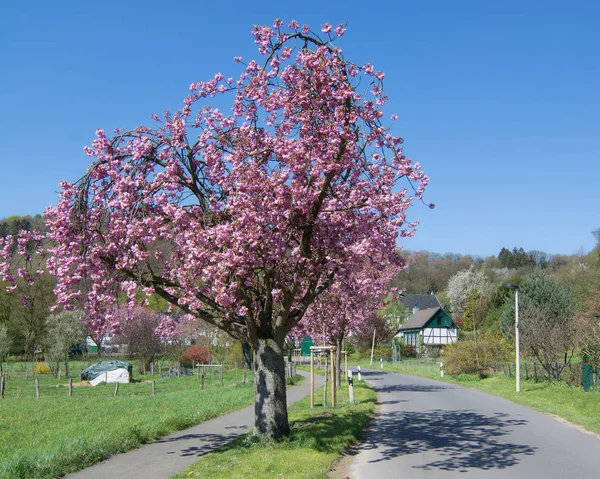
(318, 437)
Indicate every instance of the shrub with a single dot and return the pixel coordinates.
(470, 357)
(41, 368)
(196, 354)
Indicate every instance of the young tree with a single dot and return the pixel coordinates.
(4, 344)
(345, 308)
(63, 331)
(547, 330)
(243, 220)
(137, 331)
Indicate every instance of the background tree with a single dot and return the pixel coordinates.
(63, 331)
(262, 210)
(462, 283)
(31, 306)
(547, 330)
(4, 344)
(138, 333)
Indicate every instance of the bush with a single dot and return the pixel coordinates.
(470, 357)
(407, 351)
(41, 368)
(196, 354)
(572, 375)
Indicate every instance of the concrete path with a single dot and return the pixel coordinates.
(432, 429)
(174, 453)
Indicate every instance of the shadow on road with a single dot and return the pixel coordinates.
(208, 443)
(465, 439)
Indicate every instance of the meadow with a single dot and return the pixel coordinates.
(56, 434)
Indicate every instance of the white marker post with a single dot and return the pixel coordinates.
(351, 387)
(442, 369)
(381, 363)
(359, 378)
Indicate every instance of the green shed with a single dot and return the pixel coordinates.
(307, 342)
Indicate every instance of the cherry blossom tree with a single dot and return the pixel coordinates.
(346, 307)
(243, 219)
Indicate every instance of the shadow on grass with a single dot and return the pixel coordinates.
(463, 439)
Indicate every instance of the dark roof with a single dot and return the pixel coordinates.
(420, 318)
(421, 301)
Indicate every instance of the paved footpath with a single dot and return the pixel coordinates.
(174, 453)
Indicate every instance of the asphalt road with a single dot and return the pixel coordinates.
(431, 429)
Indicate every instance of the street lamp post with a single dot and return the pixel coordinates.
(517, 345)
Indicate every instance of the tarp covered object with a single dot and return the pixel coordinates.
(115, 376)
(95, 370)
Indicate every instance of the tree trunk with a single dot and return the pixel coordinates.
(247, 353)
(338, 360)
(270, 404)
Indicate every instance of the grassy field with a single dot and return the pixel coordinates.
(570, 403)
(55, 434)
(318, 437)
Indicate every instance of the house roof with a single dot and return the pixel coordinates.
(421, 301)
(419, 319)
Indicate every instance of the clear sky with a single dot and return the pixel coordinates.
(499, 101)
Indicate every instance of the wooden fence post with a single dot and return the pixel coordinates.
(153, 388)
(326, 380)
(202, 381)
(37, 388)
(116, 388)
(2, 386)
(70, 387)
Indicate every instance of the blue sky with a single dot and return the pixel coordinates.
(499, 101)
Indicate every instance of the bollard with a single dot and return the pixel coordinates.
(351, 387)
(381, 363)
(442, 369)
(359, 377)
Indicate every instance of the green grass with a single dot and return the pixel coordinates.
(55, 434)
(318, 437)
(570, 403)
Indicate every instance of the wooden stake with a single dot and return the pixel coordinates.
(116, 388)
(37, 388)
(326, 380)
(2, 386)
(70, 387)
(244, 377)
(333, 376)
(202, 382)
(221, 374)
(153, 388)
(312, 380)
